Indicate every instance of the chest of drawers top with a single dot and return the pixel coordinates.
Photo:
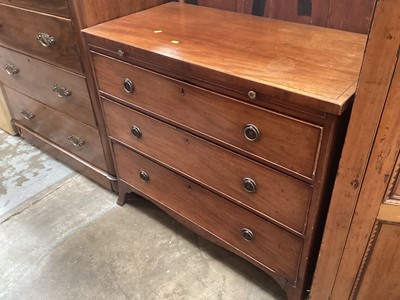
(290, 64)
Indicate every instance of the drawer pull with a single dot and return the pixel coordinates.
(76, 141)
(46, 39)
(251, 133)
(252, 95)
(27, 114)
(136, 132)
(144, 176)
(249, 185)
(61, 92)
(248, 234)
(11, 70)
(128, 85)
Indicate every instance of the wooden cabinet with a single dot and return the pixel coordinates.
(48, 81)
(5, 115)
(234, 130)
(359, 257)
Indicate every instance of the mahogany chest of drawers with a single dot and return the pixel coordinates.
(230, 123)
(47, 80)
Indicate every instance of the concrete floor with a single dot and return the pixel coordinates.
(63, 237)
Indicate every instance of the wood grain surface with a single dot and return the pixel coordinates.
(36, 80)
(373, 190)
(57, 127)
(55, 7)
(279, 197)
(384, 262)
(213, 115)
(349, 15)
(75, 162)
(20, 27)
(319, 64)
(375, 80)
(5, 114)
(93, 12)
(272, 247)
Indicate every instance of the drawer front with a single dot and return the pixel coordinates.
(71, 135)
(55, 7)
(272, 246)
(276, 196)
(282, 141)
(60, 89)
(20, 30)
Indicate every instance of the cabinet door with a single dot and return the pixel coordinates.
(358, 257)
(381, 276)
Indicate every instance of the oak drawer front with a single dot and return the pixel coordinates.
(276, 196)
(65, 91)
(74, 136)
(25, 31)
(56, 7)
(272, 246)
(267, 136)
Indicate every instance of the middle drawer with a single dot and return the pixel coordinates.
(60, 89)
(270, 193)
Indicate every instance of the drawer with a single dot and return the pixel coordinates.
(71, 135)
(283, 141)
(55, 7)
(38, 79)
(272, 247)
(276, 196)
(20, 29)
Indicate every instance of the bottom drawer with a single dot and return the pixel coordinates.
(70, 134)
(257, 239)
(102, 178)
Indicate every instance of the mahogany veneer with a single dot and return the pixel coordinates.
(46, 74)
(233, 128)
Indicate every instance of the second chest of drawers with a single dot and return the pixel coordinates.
(48, 82)
(237, 142)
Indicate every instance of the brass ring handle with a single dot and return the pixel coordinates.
(11, 70)
(76, 140)
(251, 133)
(249, 185)
(45, 39)
(61, 92)
(252, 95)
(136, 132)
(248, 235)
(27, 114)
(128, 86)
(144, 176)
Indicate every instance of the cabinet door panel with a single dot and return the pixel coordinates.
(384, 261)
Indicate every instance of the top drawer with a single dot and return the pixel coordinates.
(264, 135)
(21, 28)
(55, 7)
